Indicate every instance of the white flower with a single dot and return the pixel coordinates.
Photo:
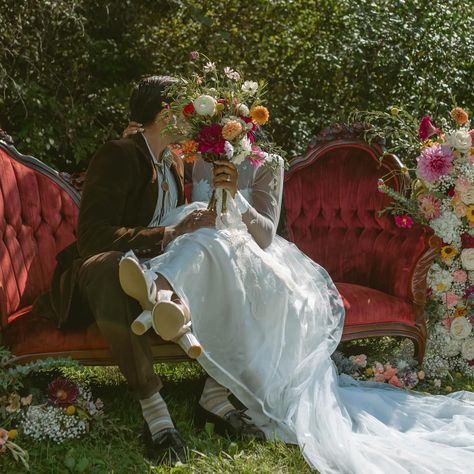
(467, 259)
(231, 74)
(461, 140)
(467, 349)
(205, 105)
(447, 227)
(250, 87)
(210, 66)
(243, 110)
(229, 150)
(244, 149)
(439, 280)
(467, 197)
(460, 328)
(437, 383)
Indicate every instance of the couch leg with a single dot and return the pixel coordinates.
(420, 348)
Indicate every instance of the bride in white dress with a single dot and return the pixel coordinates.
(269, 318)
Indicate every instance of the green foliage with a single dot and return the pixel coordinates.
(65, 65)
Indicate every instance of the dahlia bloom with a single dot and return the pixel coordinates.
(459, 115)
(434, 162)
(62, 392)
(429, 206)
(210, 139)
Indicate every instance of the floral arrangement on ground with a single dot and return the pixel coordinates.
(65, 410)
(439, 157)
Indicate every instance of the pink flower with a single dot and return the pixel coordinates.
(450, 299)
(471, 132)
(426, 128)
(404, 222)
(378, 368)
(460, 276)
(389, 371)
(446, 322)
(430, 206)
(434, 162)
(193, 55)
(359, 360)
(210, 139)
(257, 158)
(461, 185)
(379, 377)
(395, 381)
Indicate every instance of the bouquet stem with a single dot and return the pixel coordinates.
(212, 206)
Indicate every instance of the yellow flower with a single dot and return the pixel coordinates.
(459, 115)
(448, 252)
(470, 213)
(440, 287)
(71, 409)
(12, 434)
(369, 371)
(459, 312)
(395, 111)
(427, 144)
(260, 114)
(231, 130)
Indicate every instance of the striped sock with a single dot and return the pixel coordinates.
(214, 398)
(156, 414)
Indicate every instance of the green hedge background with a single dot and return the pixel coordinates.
(66, 65)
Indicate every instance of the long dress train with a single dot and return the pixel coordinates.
(269, 320)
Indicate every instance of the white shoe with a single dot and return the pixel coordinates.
(169, 319)
(137, 283)
(141, 324)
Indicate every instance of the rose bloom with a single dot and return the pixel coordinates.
(459, 115)
(404, 222)
(359, 360)
(231, 130)
(450, 299)
(259, 114)
(394, 380)
(460, 276)
(434, 162)
(389, 371)
(429, 206)
(459, 208)
(188, 109)
(460, 328)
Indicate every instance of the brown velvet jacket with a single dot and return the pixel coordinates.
(118, 201)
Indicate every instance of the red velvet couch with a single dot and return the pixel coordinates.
(331, 203)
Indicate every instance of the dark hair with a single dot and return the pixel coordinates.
(147, 97)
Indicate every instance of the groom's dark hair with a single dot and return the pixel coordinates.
(147, 98)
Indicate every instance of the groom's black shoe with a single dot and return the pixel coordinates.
(168, 448)
(235, 424)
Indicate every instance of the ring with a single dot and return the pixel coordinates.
(228, 178)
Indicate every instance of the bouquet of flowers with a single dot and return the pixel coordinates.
(217, 113)
(442, 197)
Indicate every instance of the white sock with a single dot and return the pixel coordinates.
(214, 398)
(156, 414)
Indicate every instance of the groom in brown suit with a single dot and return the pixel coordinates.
(129, 183)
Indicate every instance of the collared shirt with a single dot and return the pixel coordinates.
(166, 200)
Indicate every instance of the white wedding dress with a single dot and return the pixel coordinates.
(269, 320)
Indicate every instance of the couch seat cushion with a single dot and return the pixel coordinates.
(368, 306)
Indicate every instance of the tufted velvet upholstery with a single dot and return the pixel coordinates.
(332, 215)
(37, 220)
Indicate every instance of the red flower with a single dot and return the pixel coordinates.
(210, 139)
(221, 101)
(427, 129)
(451, 192)
(188, 109)
(404, 222)
(467, 241)
(62, 392)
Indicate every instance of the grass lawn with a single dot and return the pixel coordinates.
(120, 450)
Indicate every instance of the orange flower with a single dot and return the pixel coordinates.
(459, 115)
(460, 312)
(189, 146)
(260, 114)
(231, 130)
(190, 158)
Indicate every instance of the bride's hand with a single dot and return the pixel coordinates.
(132, 129)
(226, 176)
(194, 221)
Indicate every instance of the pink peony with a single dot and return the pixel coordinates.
(429, 206)
(434, 162)
(427, 129)
(460, 276)
(450, 299)
(404, 222)
(210, 139)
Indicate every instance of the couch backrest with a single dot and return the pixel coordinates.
(38, 215)
(332, 204)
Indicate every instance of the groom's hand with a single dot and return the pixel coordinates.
(194, 221)
(226, 176)
(132, 129)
